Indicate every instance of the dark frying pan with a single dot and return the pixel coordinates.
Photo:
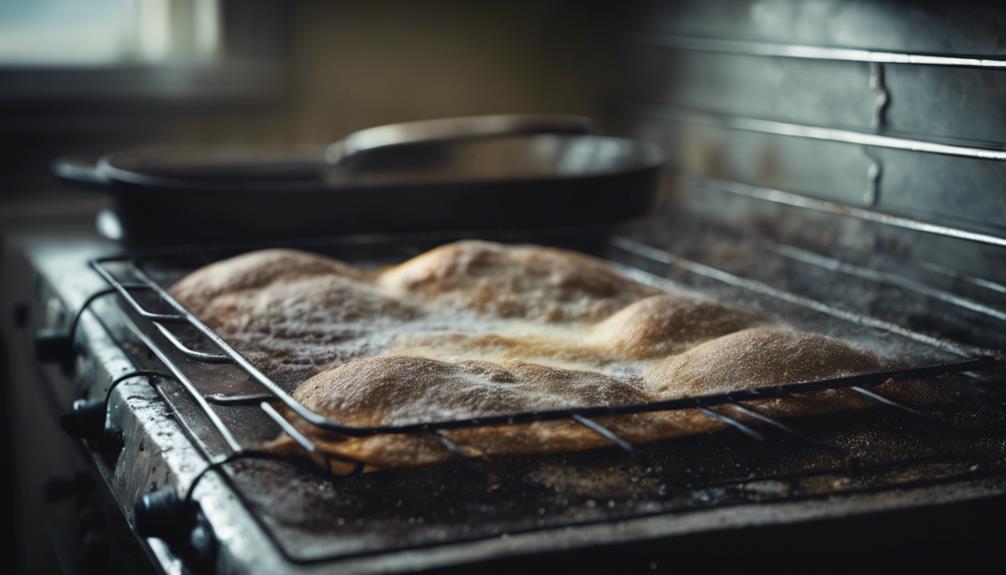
(486, 172)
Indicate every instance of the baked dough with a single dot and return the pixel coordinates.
(665, 323)
(253, 271)
(290, 313)
(532, 282)
(757, 357)
(476, 328)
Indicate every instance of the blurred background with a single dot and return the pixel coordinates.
(89, 78)
(95, 76)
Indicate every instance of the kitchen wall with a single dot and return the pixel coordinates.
(311, 71)
(357, 64)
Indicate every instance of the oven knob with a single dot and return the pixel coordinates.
(177, 522)
(86, 420)
(164, 515)
(53, 345)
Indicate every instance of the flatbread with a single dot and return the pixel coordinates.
(476, 328)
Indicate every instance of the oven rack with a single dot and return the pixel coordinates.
(272, 393)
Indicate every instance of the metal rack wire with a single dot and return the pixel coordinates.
(711, 406)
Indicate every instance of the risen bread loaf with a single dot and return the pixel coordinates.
(476, 328)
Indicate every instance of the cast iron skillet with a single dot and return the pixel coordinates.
(483, 172)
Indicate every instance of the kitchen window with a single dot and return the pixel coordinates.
(109, 32)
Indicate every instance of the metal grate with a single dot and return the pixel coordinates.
(794, 461)
(271, 392)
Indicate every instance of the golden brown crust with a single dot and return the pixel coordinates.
(397, 451)
(756, 357)
(543, 284)
(665, 323)
(250, 271)
(397, 390)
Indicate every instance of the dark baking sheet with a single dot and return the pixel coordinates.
(315, 517)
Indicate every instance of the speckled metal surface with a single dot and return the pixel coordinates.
(271, 516)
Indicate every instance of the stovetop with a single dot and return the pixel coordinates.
(270, 515)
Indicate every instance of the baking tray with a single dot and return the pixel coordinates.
(313, 517)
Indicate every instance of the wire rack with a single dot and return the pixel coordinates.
(130, 279)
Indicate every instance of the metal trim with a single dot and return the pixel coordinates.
(822, 133)
(799, 200)
(807, 52)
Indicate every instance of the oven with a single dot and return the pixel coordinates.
(839, 166)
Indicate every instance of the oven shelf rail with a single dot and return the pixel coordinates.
(824, 53)
(876, 137)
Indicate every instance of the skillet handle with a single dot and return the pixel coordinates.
(80, 173)
(453, 129)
